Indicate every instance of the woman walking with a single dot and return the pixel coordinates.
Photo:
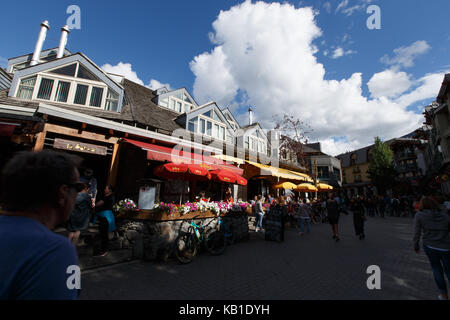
(107, 222)
(358, 217)
(260, 214)
(81, 214)
(432, 224)
(333, 215)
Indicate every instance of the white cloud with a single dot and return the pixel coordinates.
(388, 83)
(123, 69)
(155, 84)
(126, 70)
(404, 56)
(265, 51)
(426, 87)
(340, 52)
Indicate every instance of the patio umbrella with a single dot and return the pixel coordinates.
(306, 187)
(285, 185)
(182, 171)
(324, 187)
(227, 176)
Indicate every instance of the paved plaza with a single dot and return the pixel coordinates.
(303, 267)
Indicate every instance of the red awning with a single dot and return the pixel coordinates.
(160, 153)
(7, 129)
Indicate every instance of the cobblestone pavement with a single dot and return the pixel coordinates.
(312, 266)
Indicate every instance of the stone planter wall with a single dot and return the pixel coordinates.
(155, 240)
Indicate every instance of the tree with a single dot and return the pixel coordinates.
(293, 135)
(381, 168)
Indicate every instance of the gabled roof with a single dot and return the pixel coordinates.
(27, 57)
(161, 93)
(227, 111)
(249, 128)
(200, 110)
(80, 57)
(145, 111)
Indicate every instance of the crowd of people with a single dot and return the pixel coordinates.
(43, 190)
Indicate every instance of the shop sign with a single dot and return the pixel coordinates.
(79, 146)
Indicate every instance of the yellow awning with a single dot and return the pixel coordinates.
(324, 187)
(306, 187)
(228, 158)
(285, 185)
(281, 173)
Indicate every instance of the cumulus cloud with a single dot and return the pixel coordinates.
(155, 84)
(126, 70)
(340, 52)
(388, 83)
(404, 56)
(123, 69)
(426, 87)
(265, 51)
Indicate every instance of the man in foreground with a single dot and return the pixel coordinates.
(38, 192)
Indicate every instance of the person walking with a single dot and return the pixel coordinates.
(38, 193)
(333, 215)
(305, 217)
(107, 222)
(358, 217)
(260, 213)
(432, 224)
(80, 217)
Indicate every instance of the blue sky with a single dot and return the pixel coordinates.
(171, 42)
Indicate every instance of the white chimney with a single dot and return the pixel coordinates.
(63, 41)
(250, 116)
(37, 50)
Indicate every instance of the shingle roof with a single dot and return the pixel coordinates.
(145, 111)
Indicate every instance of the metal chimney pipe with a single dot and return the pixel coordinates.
(40, 41)
(63, 41)
(250, 116)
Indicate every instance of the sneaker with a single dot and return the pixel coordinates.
(101, 254)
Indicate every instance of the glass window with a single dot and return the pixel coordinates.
(62, 91)
(81, 94)
(164, 102)
(203, 126)
(247, 142)
(45, 89)
(186, 98)
(216, 131)
(187, 107)
(96, 97)
(26, 88)
(112, 100)
(171, 104)
(66, 71)
(216, 116)
(209, 128)
(222, 133)
(179, 96)
(229, 139)
(207, 114)
(192, 125)
(178, 109)
(85, 74)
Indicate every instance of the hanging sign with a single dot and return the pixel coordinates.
(79, 146)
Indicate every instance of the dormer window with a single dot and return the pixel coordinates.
(73, 84)
(178, 101)
(26, 88)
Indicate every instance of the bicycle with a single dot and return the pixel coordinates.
(227, 230)
(188, 243)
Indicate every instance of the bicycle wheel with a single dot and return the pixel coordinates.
(317, 218)
(215, 242)
(185, 247)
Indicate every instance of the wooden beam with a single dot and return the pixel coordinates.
(114, 167)
(85, 134)
(40, 139)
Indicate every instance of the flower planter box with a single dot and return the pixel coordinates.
(157, 215)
